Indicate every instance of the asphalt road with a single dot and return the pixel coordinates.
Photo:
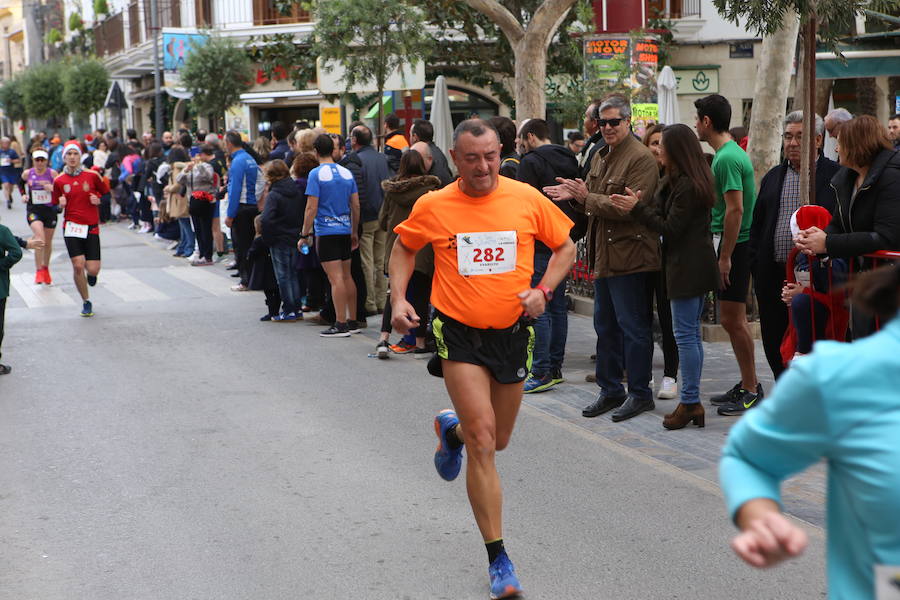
(174, 447)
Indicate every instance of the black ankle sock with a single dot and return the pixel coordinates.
(494, 549)
(452, 439)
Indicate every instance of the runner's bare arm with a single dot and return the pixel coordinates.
(312, 207)
(400, 269)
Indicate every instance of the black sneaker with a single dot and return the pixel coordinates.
(728, 397)
(335, 331)
(353, 327)
(425, 352)
(92, 280)
(383, 350)
(744, 401)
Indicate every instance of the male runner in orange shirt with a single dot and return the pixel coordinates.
(482, 229)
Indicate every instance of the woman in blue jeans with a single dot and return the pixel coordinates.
(281, 220)
(680, 212)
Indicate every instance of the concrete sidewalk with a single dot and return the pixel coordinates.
(692, 449)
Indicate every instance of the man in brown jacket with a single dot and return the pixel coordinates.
(624, 254)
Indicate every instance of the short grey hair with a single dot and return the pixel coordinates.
(616, 102)
(477, 127)
(797, 117)
(839, 115)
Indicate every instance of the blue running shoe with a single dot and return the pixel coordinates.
(504, 583)
(534, 384)
(446, 460)
(87, 309)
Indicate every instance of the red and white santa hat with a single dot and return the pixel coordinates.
(70, 145)
(809, 216)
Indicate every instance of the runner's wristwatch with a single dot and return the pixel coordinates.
(548, 293)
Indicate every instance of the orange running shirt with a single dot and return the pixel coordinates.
(479, 236)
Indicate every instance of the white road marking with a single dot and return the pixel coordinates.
(202, 278)
(36, 295)
(127, 287)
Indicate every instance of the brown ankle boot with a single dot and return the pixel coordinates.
(684, 414)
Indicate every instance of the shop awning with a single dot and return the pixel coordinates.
(866, 63)
(386, 101)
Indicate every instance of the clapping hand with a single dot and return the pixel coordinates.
(626, 201)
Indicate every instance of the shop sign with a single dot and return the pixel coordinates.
(703, 80)
(330, 116)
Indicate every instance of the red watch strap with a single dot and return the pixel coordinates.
(548, 293)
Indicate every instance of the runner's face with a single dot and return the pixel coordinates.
(478, 161)
(72, 158)
(40, 165)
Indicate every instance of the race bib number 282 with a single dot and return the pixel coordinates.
(486, 252)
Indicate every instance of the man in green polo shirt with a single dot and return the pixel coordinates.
(731, 219)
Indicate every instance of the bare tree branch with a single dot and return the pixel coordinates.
(549, 16)
(504, 19)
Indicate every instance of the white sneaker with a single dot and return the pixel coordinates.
(668, 390)
(172, 246)
(145, 229)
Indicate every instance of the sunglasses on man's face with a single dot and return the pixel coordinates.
(611, 122)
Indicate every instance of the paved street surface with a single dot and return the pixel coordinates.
(174, 447)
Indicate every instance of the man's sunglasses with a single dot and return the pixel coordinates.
(611, 122)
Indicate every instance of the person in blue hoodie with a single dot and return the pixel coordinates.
(241, 203)
(839, 403)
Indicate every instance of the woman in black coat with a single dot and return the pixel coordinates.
(866, 203)
(281, 221)
(681, 213)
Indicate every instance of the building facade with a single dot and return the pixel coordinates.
(124, 41)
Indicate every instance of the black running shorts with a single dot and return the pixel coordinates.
(44, 213)
(88, 247)
(506, 353)
(739, 276)
(333, 247)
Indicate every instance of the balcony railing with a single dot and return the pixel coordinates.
(673, 9)
(109, 35)
(265, 13)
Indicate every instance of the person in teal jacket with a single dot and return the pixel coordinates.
(10, 254)
(842, 404)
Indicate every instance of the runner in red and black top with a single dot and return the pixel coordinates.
(78, 192)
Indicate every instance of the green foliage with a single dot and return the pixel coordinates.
(474, 49)
(835, 18)
(54, 36)
(370, 38)
(42, 91)
(75, 22)
(85, 84)
(217, 73)
(12, 99)
(279, 54)
(101, 7)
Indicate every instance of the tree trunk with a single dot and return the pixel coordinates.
(823, 95)
(770, 96)
(530, 49)
(531, 73)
